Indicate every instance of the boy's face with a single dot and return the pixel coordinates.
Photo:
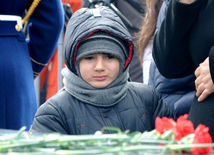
(99, 70)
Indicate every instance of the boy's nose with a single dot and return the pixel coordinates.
(99, 66)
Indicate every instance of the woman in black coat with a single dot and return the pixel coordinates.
(184, 45)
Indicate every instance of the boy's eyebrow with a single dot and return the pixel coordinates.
(89, 55)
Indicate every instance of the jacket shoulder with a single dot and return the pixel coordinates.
(146, 93)
(52, 115)
(149, 97)
(142, 88)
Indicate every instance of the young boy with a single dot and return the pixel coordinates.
(97, 92)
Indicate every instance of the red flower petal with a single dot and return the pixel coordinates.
(164, 124)
(183, 127)
(202, 136)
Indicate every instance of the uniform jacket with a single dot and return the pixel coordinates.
(66, 114)
(178, 93)
(22, 59)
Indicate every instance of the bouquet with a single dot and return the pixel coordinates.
(184, 135)
(168, 137)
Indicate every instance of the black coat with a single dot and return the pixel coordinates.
(177, 92)
(186, 39)
(136, 112)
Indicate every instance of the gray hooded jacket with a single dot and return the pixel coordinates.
(66, 114)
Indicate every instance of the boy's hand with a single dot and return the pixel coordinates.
(186, 1)
(203, 83)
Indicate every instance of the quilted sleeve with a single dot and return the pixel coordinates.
(48, 120)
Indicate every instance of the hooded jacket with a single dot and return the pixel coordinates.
(66, 114)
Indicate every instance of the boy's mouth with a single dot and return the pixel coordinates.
(100, 78)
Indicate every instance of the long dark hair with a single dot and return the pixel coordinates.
(149, 25)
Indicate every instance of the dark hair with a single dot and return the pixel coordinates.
(149, 25)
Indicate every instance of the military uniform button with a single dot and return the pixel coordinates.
(18, 28)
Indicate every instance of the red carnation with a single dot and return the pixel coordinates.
(183, 128)
(201, 136)
(164, 124)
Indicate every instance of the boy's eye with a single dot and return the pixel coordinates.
(110, 56)
(89, 58)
